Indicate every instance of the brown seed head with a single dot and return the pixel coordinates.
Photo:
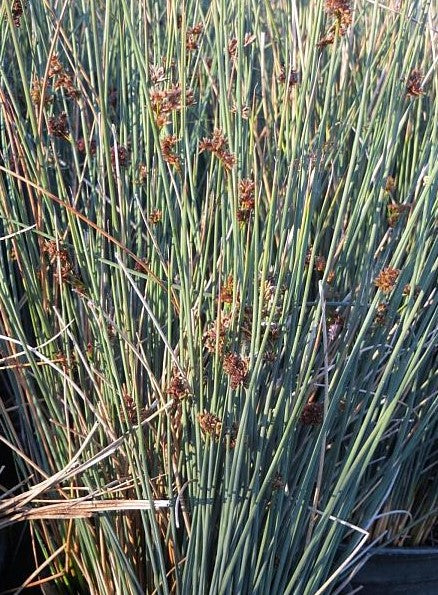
(156, 74)
(122, 156)
(167, 145)
(386, 279)
(82, 144)
(380, 317)
(178, 387)
(341, 10)
(216, 333)
(413, 85)
(232, 47)
(210, 424)
(236, 368)
(17, 11)
(390, 184)
(335, 326)
(142, 173)
(394, 213)
(320, 263)
(36, 93)
(65, 82)
(58, 126)
(326, 40)
(155, 216)
(226, 293)
(55, 66)
(217, 145)
(278, 482)
(312, 414)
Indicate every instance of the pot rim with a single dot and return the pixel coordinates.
(403, 551)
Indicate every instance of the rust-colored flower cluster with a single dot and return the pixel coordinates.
(233, 44)
(245, 111)
(293, 79)
(192, 37)
(216, 333)
(155, 216)
(168, 144)
(380, 316)
(386, 279)
(390, 184)
(218, 145)
(232, 47)
(121, 156)
(210, 424)
(17, 11)
(226, 292)
(414, 83)
(320, 264)
(178, 387)
(156, 74)
(55, 255)
(40, 92)
(142, 173)
(62, 80)
(129, 403)
(236, 367)
(394, 213)
(246, 200)
(58, 126)
(82, 144)
(165, 101)
(341, 11)
(312, 414)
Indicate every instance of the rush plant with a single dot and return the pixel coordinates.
(218, 288)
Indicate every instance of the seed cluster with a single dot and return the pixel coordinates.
(58, 126)
(17, 11)
(81, 145)
(218, 145)
(394, 213)
(236, 367)
(414, 83)
(380, 316)
(192, 37)
(386, 279)
(340, 10)
(165, 101)
(216, 333)
(55, 253)
(167, 148)
(122, 154)
(37, 94)
(62, 80)
(335, 326)
(210, 424)
(155, 216)
(178, 387)
(226, 292)
(246, 200)
(312, 414)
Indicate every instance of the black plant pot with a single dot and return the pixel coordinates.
(412, 571)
